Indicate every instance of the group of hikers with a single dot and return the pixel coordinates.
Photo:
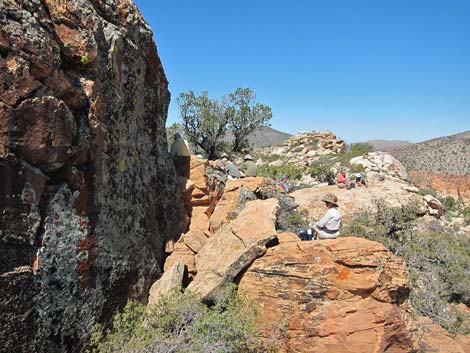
(326, 228)
(344, 182)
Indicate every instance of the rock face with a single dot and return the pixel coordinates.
(341, 295)
(88, 194)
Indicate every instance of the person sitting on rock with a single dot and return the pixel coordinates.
(249, 167)
(181, 155)
(360, 179)
(328, 226)
(342, 181)
(231, 169)
(284, 183)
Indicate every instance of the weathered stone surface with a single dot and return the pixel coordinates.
(342, 295)
(171, 280)
(381, 163)
(18, 295)
(89, 195)
(226, 253)
(181, 250)
(229, 200)
(195, 240)
(21, 189)
(351, 201)
(437, 340)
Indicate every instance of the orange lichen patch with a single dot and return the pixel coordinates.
(343, 274)
(86, 244)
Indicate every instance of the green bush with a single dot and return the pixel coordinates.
(276, 172)
(182, 323)
(438, 261)
(321, 171)
(271, 158)
(354, 150)
(449, 203)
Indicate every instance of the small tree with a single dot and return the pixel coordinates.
(248, 116)
(205, 121)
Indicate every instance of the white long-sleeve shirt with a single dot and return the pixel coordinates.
(331, 220)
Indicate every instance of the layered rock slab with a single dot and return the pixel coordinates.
(233, 247)
(342, 295)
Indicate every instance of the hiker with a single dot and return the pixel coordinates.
(284, 183)
(342, 181)
(361, 179)
(249, 167)
(230, 169)
(328, 226)
(181, 155)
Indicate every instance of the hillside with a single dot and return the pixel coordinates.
(267, 136)
(380, 145)
(448, 154)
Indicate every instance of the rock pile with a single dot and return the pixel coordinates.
(303, 149)
(381, 163)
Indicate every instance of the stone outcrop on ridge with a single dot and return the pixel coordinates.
(341, 295)
(88, 194)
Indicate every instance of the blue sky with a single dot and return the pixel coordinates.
(396, 69)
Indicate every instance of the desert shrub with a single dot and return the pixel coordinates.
(449, 203)
(271, 158)
(354, 150)
(423, 191)
(321, 171)
(438, 261)
(182, 323)
(276, 172)
(357, 168)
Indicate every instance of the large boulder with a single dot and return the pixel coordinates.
(341, 295)
(233, 247)
(381, 163)
(88, 195)
(359, 198)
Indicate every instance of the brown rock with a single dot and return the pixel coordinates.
(437, 340)
(171, 280)
(229, 200)
(195, 240)
(332, 296)
(40, 131)
(181, 250)
(199, 219)
(230, 250)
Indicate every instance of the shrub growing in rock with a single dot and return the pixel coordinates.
(438, 261)
(181, 323)
(276, 172)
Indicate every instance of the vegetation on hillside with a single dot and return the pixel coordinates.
(438, 260)
(206, 121)
(181, 323)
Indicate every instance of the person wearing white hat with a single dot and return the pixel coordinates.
(328, 227)
(249, 167)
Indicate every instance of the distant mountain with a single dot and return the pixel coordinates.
(380, 145)
(267, 136)
(448, 154)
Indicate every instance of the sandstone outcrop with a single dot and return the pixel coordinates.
(303, 149)
(381, 163)
(233, 247)
(351, 201)
(87, 195)
(342, 295)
